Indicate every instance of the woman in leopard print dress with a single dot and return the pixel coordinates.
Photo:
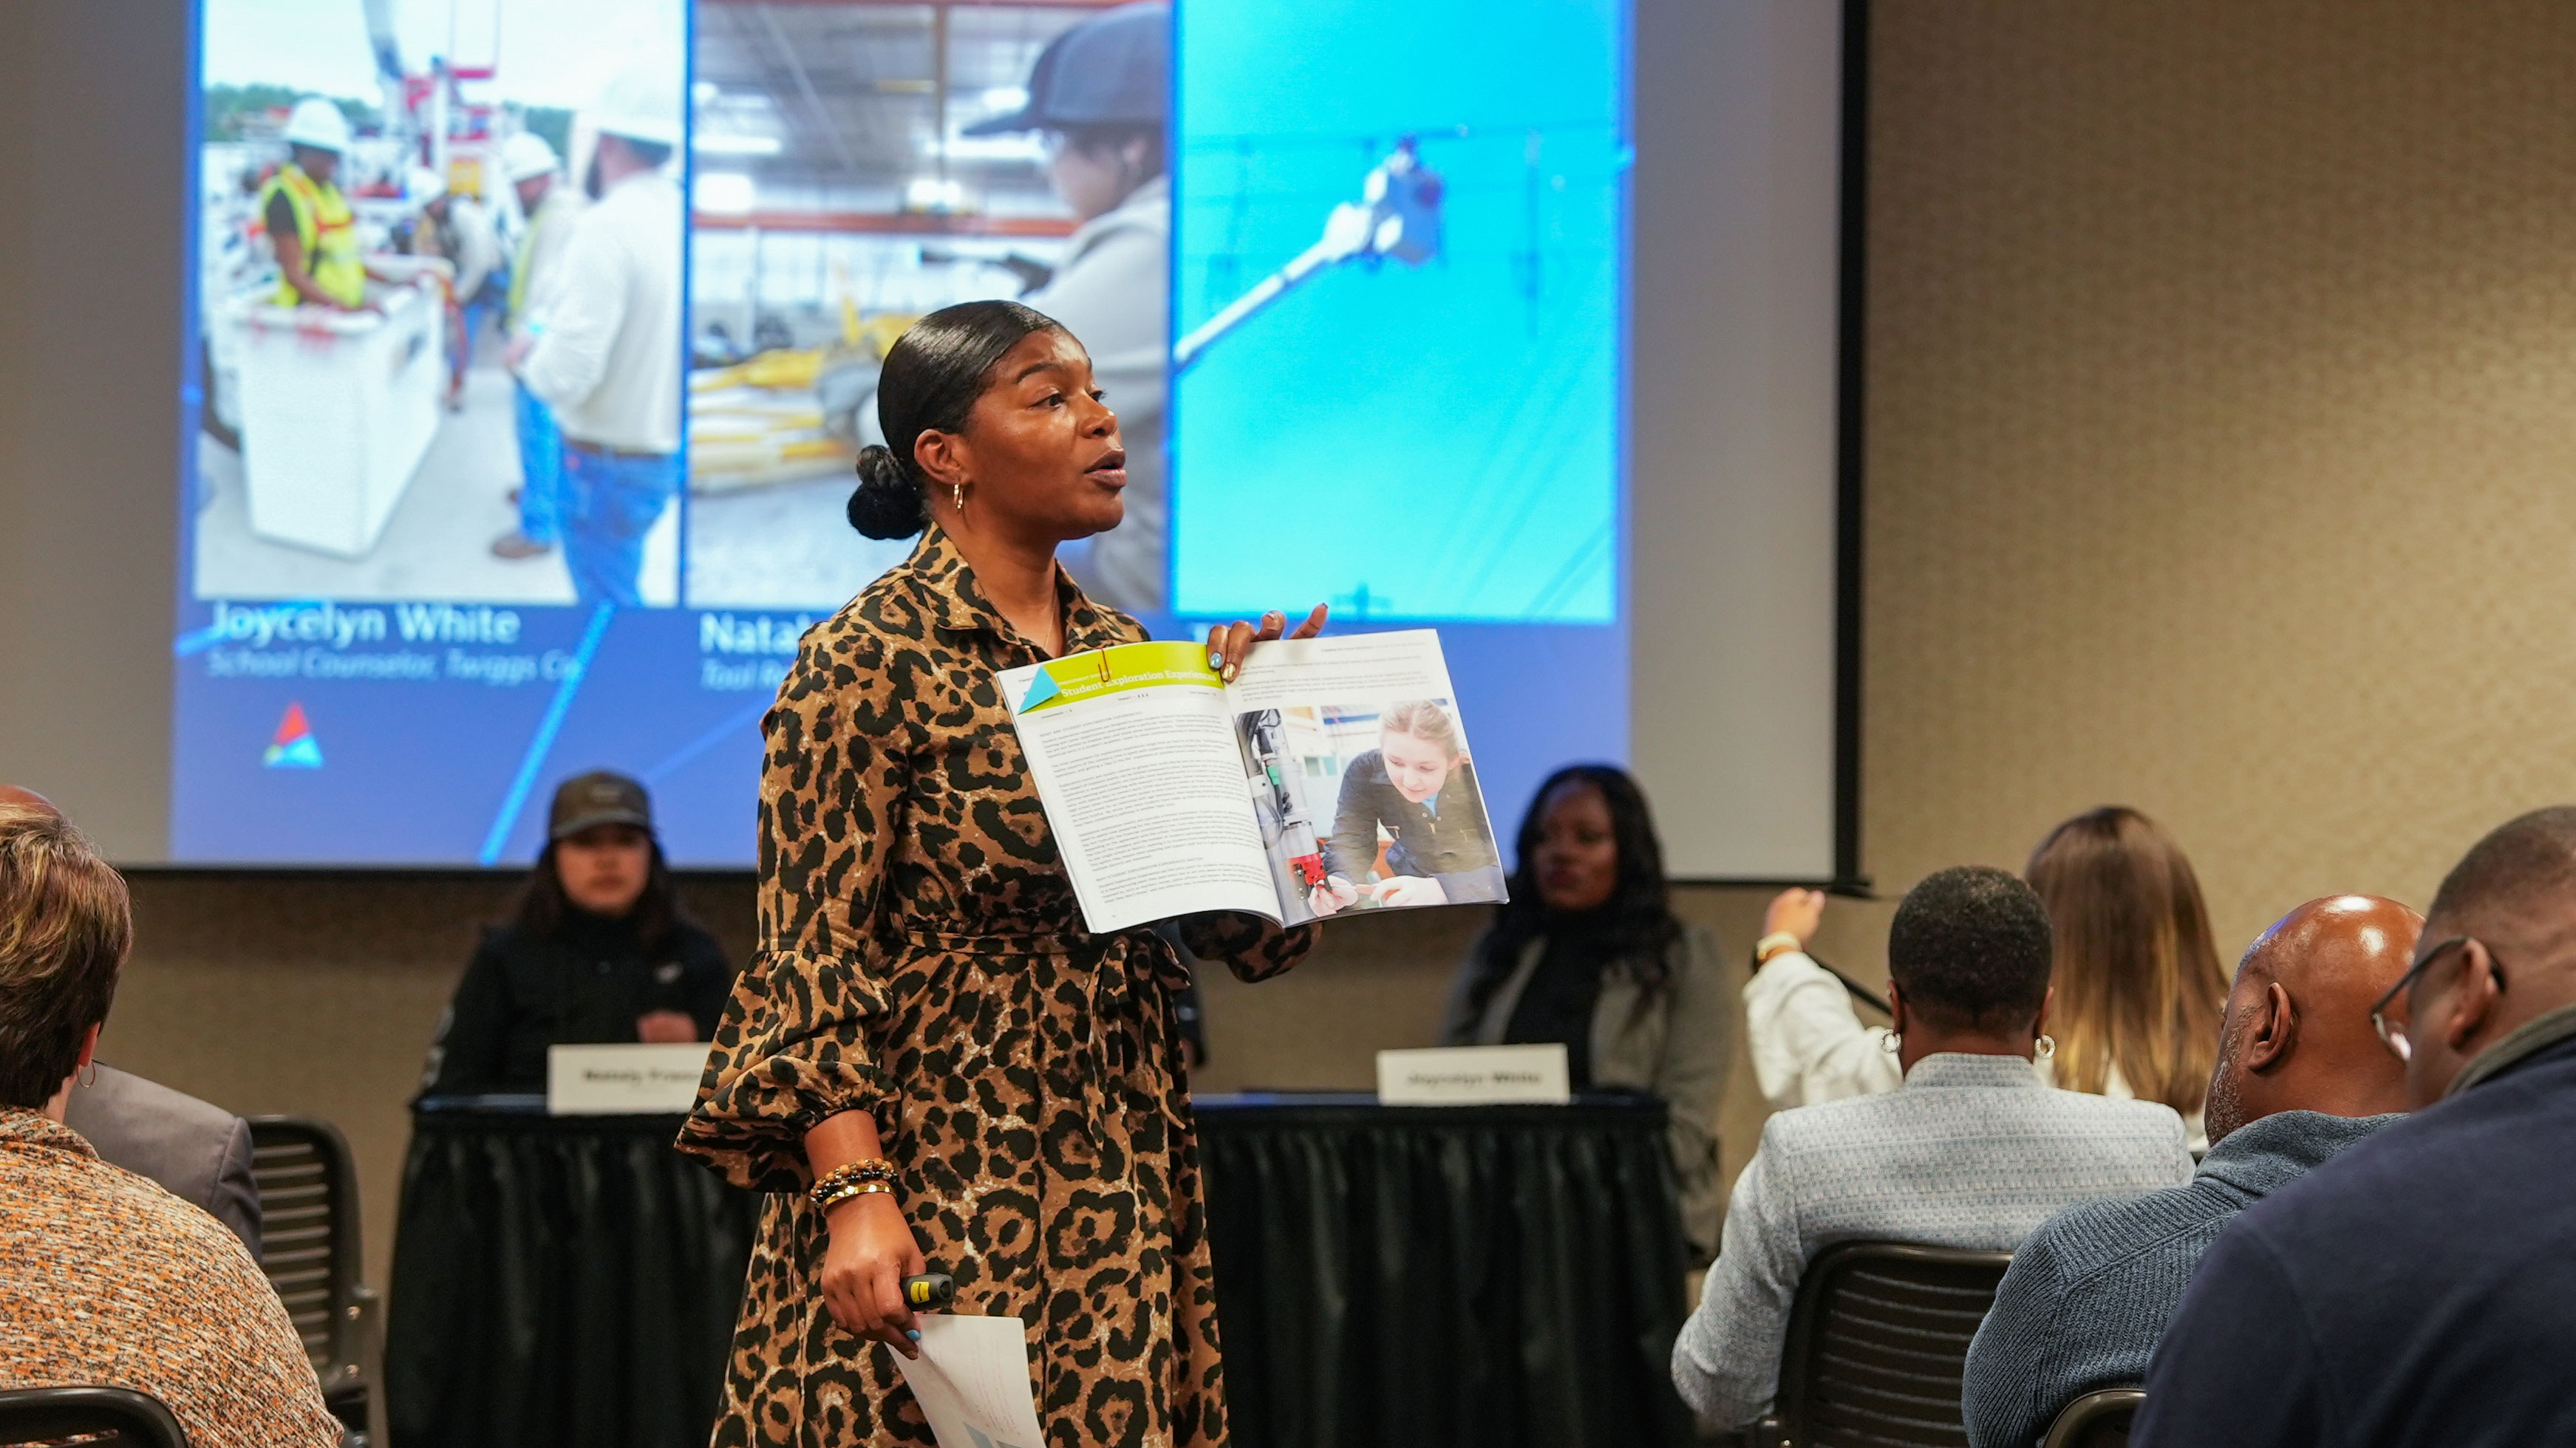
(925, 989)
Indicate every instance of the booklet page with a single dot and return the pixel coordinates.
(1363, 786)
(1136, 762)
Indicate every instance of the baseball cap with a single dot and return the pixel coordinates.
(1112, 69)
(601, 797)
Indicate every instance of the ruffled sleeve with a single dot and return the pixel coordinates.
(794, 1045)
(1251, 947)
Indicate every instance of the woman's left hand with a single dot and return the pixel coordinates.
(1227, 642)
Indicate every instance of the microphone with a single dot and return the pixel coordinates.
(930, 1289)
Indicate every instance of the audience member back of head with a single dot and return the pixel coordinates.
(1971, 1151)
(110, 1280)
(2300, 1075)
(2421, 1286)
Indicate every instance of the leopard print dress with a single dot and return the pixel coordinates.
(922, 958)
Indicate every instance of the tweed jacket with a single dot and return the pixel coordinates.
(111, 1281)
(1972, 1151)
(2090, 1293)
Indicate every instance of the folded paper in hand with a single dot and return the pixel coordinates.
(972, 1381)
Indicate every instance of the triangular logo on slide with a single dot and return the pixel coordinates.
(294, 747)
(1041, 689)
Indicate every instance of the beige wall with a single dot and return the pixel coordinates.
(2222, 461)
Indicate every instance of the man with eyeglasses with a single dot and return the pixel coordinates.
(2300, 1076)
(2420, 1287)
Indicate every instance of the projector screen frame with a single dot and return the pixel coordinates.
(1850, 429)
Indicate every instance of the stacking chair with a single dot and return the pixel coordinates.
(2096, 1420)
(308, 1246)
(100, 1417)
(1878, 1337)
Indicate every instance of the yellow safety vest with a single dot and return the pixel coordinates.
(329, 234)
(547, 211)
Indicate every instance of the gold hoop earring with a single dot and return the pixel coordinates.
(957, 496)
(89, 1074)
(2045, 1046)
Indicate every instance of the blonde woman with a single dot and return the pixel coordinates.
(2138, 987)
(1421, 787)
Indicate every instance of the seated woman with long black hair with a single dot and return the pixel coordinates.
(598, 952)
(1589, 953)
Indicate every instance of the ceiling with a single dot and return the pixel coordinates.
(841, 95)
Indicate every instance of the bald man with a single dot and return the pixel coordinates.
(2422, 1287)
(2301, 1075)
(200, 1152)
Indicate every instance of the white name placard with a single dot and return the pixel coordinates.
(1473, 1076)
(635, 1080)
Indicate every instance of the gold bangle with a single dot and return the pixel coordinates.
(826, 1201)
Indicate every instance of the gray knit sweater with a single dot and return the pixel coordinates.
(2091, 1291)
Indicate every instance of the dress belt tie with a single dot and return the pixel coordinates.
(1125, 969)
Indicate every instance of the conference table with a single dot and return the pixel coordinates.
(1496, 1275)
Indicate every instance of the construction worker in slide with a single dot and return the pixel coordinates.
(309, 225)
(1098, 94)
(465, 236)
(607, 356)
(551, 207)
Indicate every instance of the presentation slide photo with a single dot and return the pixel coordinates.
(858, 166)
(1398, 286)
(1369, 807)
(396, 401)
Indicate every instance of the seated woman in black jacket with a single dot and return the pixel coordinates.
(1420, 786)
(599, 952)
(1590, 954)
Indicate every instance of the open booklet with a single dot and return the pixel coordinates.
(1332, 775)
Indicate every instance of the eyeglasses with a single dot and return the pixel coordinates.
(2395, 1039)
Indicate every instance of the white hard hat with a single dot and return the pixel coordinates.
(642, 103)
(317, 123)
(524, 155)
(423, 186)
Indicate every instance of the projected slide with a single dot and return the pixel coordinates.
(533, 342)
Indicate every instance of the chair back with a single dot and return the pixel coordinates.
(2099, 1419)
(1878, 1338)
(100, 1416)
(309, 1247)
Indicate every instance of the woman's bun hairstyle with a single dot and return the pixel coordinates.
(932, 376)
(887, 501)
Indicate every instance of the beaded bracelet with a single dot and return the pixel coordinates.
(854, 1179)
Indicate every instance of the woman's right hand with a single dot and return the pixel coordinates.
(1795, 912)
(871, 1252)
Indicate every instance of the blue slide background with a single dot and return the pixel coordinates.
(1492, 423)
(1425, 442)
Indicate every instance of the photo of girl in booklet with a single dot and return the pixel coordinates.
(1408, 822)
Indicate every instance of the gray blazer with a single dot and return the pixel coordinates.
(1678, 1048)
(201, 1153)
(1972, 1151)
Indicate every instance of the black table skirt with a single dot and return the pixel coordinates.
(1491, 1276)
(1494, 1276)
(559, 1281)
